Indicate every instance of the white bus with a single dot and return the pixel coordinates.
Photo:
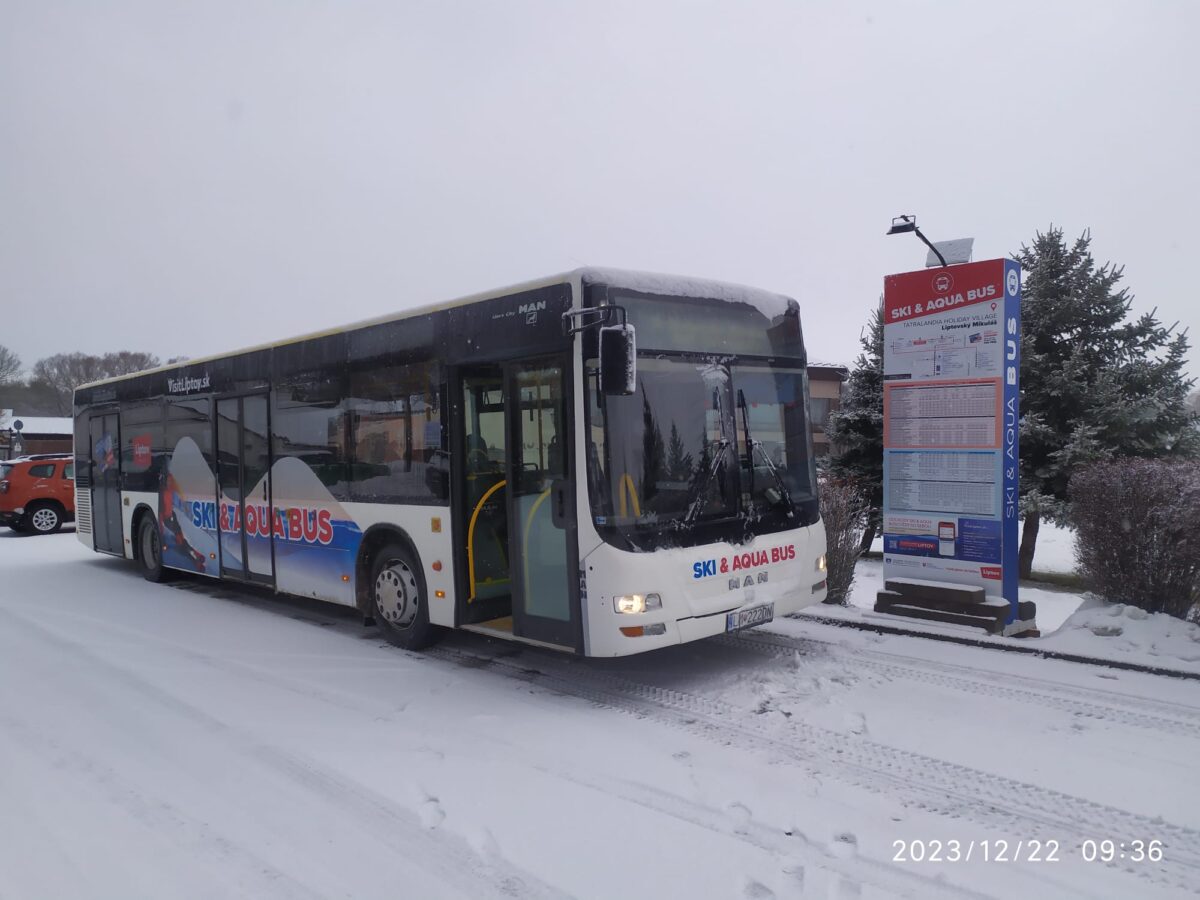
(602, 462)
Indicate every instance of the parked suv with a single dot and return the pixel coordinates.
(37, 493)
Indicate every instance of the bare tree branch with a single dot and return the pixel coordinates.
(10, 365)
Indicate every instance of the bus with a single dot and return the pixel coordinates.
(601, 462)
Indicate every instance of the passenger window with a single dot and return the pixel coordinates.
(69, 471)
(45, 470)
(396, 435)
(309, 424)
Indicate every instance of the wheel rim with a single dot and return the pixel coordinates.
(150, 547)
(44, 519)
(397, 597)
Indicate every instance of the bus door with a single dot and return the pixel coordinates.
(244, 488)
(104, 439)
(516, 500)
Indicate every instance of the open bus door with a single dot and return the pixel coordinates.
(514, 501)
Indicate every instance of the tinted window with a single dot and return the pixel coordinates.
(69, 471)
(711, 326)
(395, 432)
(141, 444)
(43, 470)
(189, 429)
(309, 424)
(819, 409)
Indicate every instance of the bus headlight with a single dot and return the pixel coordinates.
(636, 603)
(821, 563)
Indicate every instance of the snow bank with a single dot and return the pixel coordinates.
(1071, 622)
(1122, 632)
(1054, 606)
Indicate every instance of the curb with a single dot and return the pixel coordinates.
(993, 645)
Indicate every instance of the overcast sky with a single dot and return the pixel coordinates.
(192, 178)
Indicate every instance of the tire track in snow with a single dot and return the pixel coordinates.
(792, 849)
(950, 789)
(928, 783)
(1077, 702)
(453, 860)
(1103, 696)
(860, 870)
(253, 873)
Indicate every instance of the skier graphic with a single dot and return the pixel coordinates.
(172, 508)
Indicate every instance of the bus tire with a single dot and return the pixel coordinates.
(149, 549)
(399, 602)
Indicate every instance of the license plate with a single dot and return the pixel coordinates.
(747, 618)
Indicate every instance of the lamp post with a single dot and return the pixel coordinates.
(905, 224)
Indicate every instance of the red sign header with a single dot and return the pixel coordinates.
(916, 294)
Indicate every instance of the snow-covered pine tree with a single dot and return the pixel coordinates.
(856, 429)
(1093, 385)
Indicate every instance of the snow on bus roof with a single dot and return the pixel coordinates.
(766, 302)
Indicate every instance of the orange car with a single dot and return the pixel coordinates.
(37, 493)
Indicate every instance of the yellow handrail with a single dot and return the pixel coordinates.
(626, 484)
(471, 535)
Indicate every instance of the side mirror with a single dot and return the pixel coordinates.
(618, 360)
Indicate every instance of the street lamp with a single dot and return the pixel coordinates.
(905, 224)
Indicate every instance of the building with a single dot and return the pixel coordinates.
(825, 395)
(24, 435)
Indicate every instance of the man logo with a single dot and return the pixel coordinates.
(1013, 283)
(943, 282)
(748, 581)
(531, 310)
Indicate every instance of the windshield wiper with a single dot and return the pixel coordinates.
(699, 491)
(751, 446)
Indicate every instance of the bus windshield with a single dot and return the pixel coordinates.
(708, 448)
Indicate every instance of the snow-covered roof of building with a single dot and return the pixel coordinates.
(37, 424)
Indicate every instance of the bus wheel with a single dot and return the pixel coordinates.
(150, 549)
(398, 600)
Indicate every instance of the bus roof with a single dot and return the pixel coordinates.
(769, 303)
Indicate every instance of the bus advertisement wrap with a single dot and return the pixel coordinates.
(311, 537)
(951, 363)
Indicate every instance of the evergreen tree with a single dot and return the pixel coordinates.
(653, 451)
(679, 461)
(856, 429)
(1093, 385)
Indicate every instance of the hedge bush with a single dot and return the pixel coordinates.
(1137, 532)
(845, 515)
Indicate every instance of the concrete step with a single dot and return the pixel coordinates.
(991, 607)
(987, 623)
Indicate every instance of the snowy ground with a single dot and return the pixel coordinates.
(1069, 621)
(196, 741)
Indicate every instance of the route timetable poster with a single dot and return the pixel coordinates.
(951, 363)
